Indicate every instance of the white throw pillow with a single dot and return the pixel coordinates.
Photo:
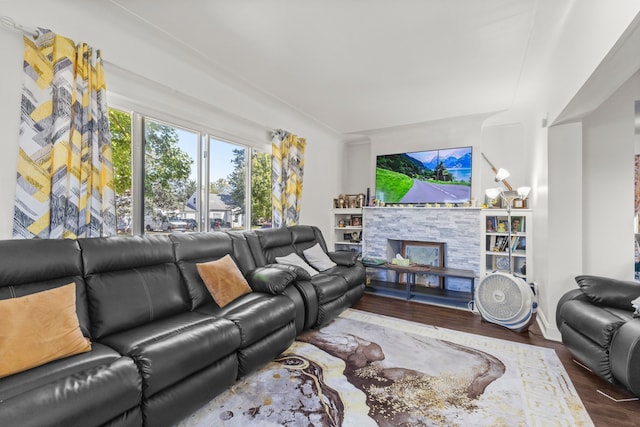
(318, 258)
(294, 259)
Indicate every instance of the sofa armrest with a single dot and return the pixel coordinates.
(270, 280)
(573, 294)
(605, 291)
(344, 258)
(624, 356)
(298, 272)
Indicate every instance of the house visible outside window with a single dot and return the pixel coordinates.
(173, 197)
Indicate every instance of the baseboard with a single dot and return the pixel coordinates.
(549, 331)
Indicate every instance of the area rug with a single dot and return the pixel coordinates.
(370, 370)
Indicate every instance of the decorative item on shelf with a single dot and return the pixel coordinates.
(361, 201)
(341, 201)
(356, 220)
(401, 261)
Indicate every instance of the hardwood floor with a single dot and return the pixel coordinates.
(603, 411)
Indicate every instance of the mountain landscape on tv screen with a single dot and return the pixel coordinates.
(451, 162)
(432, 176)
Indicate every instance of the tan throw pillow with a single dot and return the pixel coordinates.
(39, 328)
(223, 279)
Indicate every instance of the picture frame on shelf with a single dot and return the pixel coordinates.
(517, 224)
(356, 220)
(492, 224)
(346, 237)
(425, 253)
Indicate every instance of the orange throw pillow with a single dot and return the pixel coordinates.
(223, 279)
(39, 328)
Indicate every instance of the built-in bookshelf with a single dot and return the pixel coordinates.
(502, 252)
(347, 229)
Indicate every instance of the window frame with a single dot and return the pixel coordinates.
(204, 137)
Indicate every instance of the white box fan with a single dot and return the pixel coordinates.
(506, 300)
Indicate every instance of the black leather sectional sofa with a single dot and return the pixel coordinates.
(598, 327)
(161, 346)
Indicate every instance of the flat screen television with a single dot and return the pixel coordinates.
(431, 176)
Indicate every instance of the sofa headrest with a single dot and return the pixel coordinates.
(302, 233)
(201, 246)
(125, 252)
(40, 259)
(274, 237)
(605, 291)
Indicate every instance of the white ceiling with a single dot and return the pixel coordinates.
(360, 65)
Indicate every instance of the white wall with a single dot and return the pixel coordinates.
(356, 168)
(147, 78)
(561, 242)
(608, 208)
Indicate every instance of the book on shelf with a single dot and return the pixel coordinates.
(514, 243)
(504, 244)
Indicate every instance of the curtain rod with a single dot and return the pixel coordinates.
(11, 24)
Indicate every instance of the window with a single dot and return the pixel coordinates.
(120, 123)
(169, 184)
(170, 177)
(227, 184)
(261, 189)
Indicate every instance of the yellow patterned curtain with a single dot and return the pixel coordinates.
(287, 167)
(65, 173)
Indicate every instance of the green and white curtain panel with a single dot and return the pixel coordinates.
(65, 173)
(287, 167)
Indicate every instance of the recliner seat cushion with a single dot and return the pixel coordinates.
(354, 275)
(169, 350)
(329, 287)
(256, 315)
(86, 389)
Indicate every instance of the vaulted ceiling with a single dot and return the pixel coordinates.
(359, 65)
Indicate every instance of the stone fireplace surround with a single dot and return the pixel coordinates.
(384, 229)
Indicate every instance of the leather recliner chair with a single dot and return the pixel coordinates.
(598, 327)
